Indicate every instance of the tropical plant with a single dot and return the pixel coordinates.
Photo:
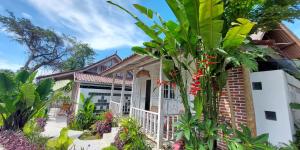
(130, 136)
(101, 127)
(288, 146)
(85, 116)
(104, 125)
(21, 99)
(248, 142)
(197, 46)
(60, 143)
(197, 134)
(32, 131)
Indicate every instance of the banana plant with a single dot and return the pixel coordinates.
(197, 50)
(185, 44)
(21, 98)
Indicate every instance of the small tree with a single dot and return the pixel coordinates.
(197, 50)
(195, 46)
(81, 54)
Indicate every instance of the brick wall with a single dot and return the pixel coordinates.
(236, 86)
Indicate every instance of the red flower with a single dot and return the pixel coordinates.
(195, 85)
(173, 84)
(209, 56)
(108, 117)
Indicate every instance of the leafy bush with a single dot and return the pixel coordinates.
(85, 116)
(250, 142)
(202, 134)
(60, 143)
(12, 140)
(32, 130)
(189, 130)
(21, 99)
(110, 148)
(101, 127)
(130, 136)
(104, 125)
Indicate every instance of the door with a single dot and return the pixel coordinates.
(148, 95)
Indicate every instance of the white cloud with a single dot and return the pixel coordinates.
(5, 64)
(26, 15)
(94, 21)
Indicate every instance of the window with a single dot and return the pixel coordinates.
(169, 91)
(166, 91)
(270, 115)
(256, 85)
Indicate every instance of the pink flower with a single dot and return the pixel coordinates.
(178, 145)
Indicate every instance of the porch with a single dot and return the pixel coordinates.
(155, 106)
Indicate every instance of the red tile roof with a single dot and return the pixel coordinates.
(90, 78)
(70, 73)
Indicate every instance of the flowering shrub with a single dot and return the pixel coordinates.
(12, 140)
(178, 145)
(102, 127)
(108, 117)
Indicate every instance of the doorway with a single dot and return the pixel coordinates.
(148, 95)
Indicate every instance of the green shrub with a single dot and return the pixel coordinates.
(130, 136)
(60, 143)
(21, 99)
(110, 148)
(85, 116)
(244, 140)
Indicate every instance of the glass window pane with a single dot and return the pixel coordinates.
(166, 91)
(172, 93)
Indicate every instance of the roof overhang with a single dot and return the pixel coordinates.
(129, 64)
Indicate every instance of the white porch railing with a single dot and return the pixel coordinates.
(169, 126)
(149, 123)
(114, 107)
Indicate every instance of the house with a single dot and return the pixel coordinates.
(260, 99)
(88, 82)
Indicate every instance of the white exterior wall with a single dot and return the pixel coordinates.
(171, 106)
(278, 90)
(86, 92)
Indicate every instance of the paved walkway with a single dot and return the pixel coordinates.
(56, 123)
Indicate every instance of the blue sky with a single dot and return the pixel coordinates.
(104, 27)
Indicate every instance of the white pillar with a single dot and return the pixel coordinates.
(160, 124)
(132, 90)
(112, 91)
(77, 96)
(122, 94)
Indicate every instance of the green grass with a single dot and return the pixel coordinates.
(88, 136)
